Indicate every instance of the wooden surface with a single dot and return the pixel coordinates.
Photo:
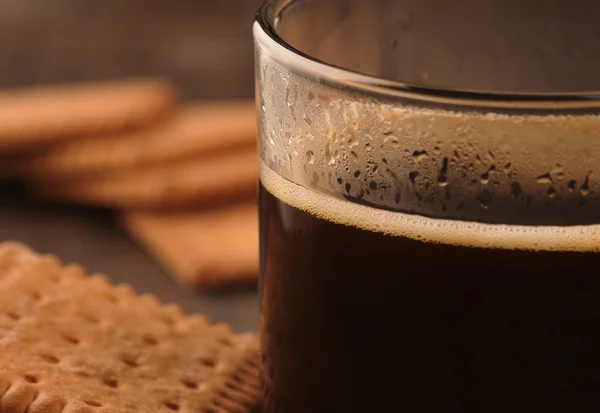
(204, 46)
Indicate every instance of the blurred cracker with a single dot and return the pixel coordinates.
(198, 128)
(36, 116)
(206, 249)
(72, 343)
(193, 181)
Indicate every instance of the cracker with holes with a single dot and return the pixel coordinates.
(194, 130)
(47, 114)
(72, 343)
(208, 249)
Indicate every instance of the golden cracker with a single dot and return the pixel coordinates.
(196, 129)
(178, 184)
(72, 343)
(205, 249)
(41, 115)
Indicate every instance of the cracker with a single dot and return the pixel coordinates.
(179, 184)
(208, 249)
(41, 115)
(71, 343)
(196, 129)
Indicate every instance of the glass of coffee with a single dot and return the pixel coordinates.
(429, 205)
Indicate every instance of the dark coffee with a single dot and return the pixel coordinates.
(356, 320)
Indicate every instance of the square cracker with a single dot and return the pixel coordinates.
(72, 343)
(194, 130)
(174, 185)
(43, 115)
(208, 249)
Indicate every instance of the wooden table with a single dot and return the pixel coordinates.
(204, 46)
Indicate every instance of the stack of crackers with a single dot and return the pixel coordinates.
(183, 175)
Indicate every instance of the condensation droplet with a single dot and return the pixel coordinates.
(310, 157)
(272, 137)
(386, 127)
(496, 184)
(306, 118)
(584, 190)
(515, 190)
(350, 115)
(557, 171)
(551, 192)
(353, 143)
(443, 177)
(485, 177)
(356, 174)
(413, 175)
(291, 95)
(418, 156)
(340, 181)
(485, 199)
(392, 141)
(329, 155)
(328, 129)
(544, 179)
(571, 185)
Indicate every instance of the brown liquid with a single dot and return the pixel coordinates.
(358, 321)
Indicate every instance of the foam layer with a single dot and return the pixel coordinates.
(462, 233)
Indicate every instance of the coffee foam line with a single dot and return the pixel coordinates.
(443, 231)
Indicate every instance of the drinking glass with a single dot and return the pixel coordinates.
(429, 205)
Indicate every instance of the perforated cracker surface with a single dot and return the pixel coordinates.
(72, 343)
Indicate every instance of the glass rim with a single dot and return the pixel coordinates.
(265, 34)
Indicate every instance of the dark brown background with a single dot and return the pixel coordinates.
(204, 46)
